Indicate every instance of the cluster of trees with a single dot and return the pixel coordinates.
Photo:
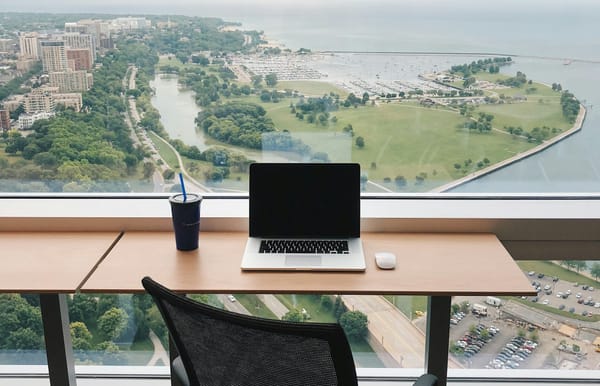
(316, 110)
(13, 86)
(570, 106)
(82, 151)
(101, 324)
(483, 124)
(581, 265)
(353, 100)
(201, 34)
(241, 124)
(516, 81)
(354, 323)
(466, 165)
(246, 124)
(491, 65)
(21, 323)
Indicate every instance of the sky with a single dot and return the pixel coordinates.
(180, 6)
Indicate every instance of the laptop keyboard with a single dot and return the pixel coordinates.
(304, 246)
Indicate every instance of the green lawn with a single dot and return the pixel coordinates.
(312, 305)
(165, 151)
(550, 269)
(408, 305)
(311, 88)
(407, 139)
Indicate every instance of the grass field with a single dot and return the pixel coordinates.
(408, 305)
(312, 88)
(253, 304)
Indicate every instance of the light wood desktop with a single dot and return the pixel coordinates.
(436, 265)
(52, 264)
(427, 264)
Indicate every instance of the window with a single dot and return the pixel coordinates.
(428, 96)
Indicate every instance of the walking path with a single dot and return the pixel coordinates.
(160, 353)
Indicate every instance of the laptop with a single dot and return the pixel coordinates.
(304, 216)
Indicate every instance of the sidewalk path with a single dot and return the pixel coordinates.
(160, 353)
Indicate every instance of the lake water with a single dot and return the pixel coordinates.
(556, 29)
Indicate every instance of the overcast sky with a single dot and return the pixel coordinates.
(178, 6)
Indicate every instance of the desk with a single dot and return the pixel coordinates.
(52, 264)
(436, 265)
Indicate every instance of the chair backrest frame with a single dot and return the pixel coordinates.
(339, 347)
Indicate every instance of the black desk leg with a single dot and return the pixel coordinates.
(438, 336)
(59, 351)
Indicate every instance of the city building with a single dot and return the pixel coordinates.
(79, 59)
(29, 45)
(74, 40)
(4, 120)
(69, 100)
(53, 55)
(39, 99)
(7, 45)
(27, 120)
(130, 23)
(26, 64)
(70, 81)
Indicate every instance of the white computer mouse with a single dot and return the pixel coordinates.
(385, 260)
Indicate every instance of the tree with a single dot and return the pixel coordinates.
(400, 181)
(24, 339)
(271, 79)
(354, 324)
(360, 142)
(149, 169)
(365, 98)
(326, 302)
(80, 336)
(112, 323)
(293, 315)
(595, 270)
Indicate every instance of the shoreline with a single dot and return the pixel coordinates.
(577, 126)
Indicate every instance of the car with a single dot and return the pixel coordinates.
(547, 287)
(231, 298)
(546, 301)
(572, 309)
(584, 313)
(549, 292)
(597, 305)
(590, 288)
(540, 275)
(559, 294)
(531, 273)
(584, 287)
(578, 295)
(580, 301)
(453, 321)
(535, 299)
(555, 279)
(561, 307)
(568, 292)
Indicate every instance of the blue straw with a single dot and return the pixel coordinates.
(182, 187)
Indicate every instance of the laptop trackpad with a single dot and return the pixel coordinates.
(302, 261)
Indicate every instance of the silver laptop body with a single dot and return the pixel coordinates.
(305, 217)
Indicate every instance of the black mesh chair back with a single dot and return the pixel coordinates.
(219, 347)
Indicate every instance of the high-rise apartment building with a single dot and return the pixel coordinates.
(4, 120)
(79, 59)
(54, 57)
(39, 99)
(71, 81)
(29, 45)
(75, 40)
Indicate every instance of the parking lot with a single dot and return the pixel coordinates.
(566, 296)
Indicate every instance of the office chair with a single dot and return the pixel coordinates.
(218, 347)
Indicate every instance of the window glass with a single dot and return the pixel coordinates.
(428, 96)
(21, 332)
(554, 330)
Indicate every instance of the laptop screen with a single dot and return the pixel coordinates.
(304, 200)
